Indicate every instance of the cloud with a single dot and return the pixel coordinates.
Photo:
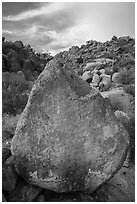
(57, 26)
(75, 35)
(44, 10)
(8, 32)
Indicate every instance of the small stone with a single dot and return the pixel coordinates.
(86, 75)
(90, 66)
(96, 79)
(105, 81)
(109, 70)
(102, 71)
(115, 77)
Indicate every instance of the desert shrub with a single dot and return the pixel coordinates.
(127, 62)
(13, 79)
(130, 89)
(18, 57)
(14, 94)
(7, 46)
(127, 76)
(13, 101)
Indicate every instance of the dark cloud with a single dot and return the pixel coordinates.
(10, 8)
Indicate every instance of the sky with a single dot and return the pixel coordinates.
(56, 26)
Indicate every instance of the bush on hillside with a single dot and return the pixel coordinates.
(19, 57)
(127, 76)
(13, 102)
(14, 94)
(130, 89)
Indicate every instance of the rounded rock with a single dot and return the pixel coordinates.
(115, 77)
(67, 138)
(96, 79)
(86, 75)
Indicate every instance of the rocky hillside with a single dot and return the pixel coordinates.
(96, 62)
(120, 50)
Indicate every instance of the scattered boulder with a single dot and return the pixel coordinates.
(87, 76)
(115, 77)
(101, 86)
(97, 63)
(104, 60)
(9, 177)
(67, 138)
(109, 70)
(102, 71)
(95, 79)
(90, 66)
(105, 82)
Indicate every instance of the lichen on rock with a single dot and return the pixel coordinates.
(64, 131)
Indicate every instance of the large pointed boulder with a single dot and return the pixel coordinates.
(68, 138)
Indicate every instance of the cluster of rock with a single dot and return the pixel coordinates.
(121, 50)
(99, 77)
(100, 64)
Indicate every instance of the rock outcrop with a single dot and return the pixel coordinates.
(68, 138)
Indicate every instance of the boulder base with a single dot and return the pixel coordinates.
(68, 138)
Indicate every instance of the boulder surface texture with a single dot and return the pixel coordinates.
(67, 138)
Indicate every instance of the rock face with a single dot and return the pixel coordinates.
(68, 138)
